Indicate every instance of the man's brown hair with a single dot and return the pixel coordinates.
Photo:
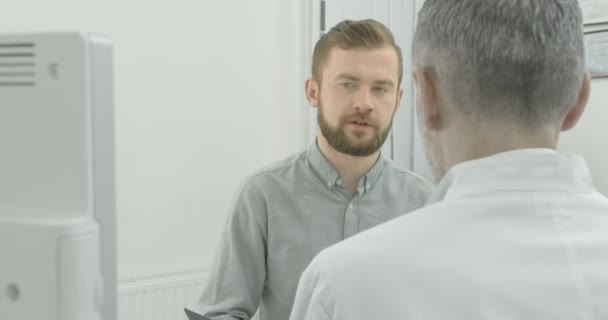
(350, 34)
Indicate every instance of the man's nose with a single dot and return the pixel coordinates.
(363, 101)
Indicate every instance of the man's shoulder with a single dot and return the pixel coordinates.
(406, 176)
(400, 171)
(276, 171)
(266, 184)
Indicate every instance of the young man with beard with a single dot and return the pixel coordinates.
(288, 212)
(515, 229)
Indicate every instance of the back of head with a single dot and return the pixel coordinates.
(510, 60)
(349, 34)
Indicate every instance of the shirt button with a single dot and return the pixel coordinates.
(329, 185)
(350, 206)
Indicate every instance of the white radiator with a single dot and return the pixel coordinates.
(160, 297)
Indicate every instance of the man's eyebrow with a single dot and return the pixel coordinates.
(347, 77)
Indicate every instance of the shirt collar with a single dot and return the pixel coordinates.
(331, 177)
(523, 170)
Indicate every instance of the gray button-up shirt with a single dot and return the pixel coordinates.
(283, 216)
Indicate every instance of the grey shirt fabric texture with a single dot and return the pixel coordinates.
(285, 214)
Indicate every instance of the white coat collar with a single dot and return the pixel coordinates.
(523, 170)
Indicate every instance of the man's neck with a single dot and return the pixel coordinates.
(351, 168)
(485, 142)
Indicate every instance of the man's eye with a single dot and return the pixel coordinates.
(381, 89)
(347, 84)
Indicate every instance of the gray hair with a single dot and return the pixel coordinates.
(522, 60)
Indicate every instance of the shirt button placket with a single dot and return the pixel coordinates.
(351, 221)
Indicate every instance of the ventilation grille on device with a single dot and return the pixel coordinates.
(17, 64)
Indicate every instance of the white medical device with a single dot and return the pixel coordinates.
(57, 207)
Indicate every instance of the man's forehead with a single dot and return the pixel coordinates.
(381, 63)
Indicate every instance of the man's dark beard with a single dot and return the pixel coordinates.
(336, 137)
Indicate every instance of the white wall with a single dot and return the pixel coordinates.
(205, 93)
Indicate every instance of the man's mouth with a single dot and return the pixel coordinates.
(360, 123)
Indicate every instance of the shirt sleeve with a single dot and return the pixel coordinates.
(238, 272)
(310, 299)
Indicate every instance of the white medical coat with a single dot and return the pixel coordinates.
(518, 235)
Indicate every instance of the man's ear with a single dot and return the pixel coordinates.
(428, 97)
(312, 92)
(399, 97)
(576, 110)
